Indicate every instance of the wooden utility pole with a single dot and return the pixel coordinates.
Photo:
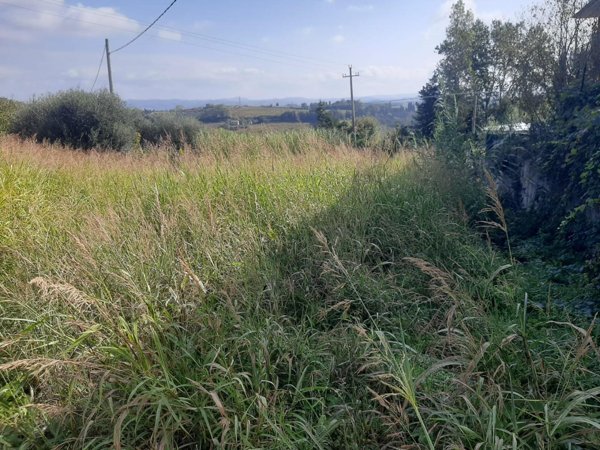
(110, 81)
(351, 76)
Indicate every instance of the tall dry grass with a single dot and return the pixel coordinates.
(270, 291)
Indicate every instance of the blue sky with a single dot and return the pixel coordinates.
(227, 48)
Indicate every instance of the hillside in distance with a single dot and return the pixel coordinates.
(169, 104)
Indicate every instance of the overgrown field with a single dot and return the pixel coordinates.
(272, 291)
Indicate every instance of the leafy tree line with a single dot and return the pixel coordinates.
(506, 71)
(543, 71)
(386, 113)
(363, 136)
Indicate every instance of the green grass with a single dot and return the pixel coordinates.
(275, 291)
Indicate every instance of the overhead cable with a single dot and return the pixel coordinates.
(145, 29)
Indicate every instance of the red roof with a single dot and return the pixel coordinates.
(591, 10)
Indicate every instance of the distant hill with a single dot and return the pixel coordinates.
(168, 104)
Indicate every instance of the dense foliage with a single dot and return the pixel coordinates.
(539, 74)
(507, 72)
(363, 136)
(8, 111)
(78, 119)
(168, 128)
(101, 121)
(568, 150)
(425, 119)
(389, 114)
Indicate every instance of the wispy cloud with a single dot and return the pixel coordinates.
(394, 73)
(361, 8)
(338, 38)
(35, 16)
(439, 22)
(170, 35)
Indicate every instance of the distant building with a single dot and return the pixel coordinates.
(512, 128)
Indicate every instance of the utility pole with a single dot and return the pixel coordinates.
(110, 82)
(351, 76)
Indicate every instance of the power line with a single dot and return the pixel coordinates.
(281, 59)
(230, 52)
(255, 48)
(99, 67)
(316, 62)
(221, 41)
(145, 29)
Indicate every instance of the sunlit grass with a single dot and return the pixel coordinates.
(270, 291)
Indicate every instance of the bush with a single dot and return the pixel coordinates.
(366, 131)
(178, 130)
(400, 138)
(78, 119)
(8, 109)
(213, 114)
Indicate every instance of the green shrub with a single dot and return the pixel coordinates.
(366, 131)
(161, 127)
(78, 119)
(8, 109)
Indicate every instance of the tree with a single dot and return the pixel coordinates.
(534, 73)
(366, 129)
(425, 118)
(324, 118)
(465, 65)
(568, 38)
(455, 66)
(213, 114)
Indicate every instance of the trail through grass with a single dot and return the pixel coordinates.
(274, 291)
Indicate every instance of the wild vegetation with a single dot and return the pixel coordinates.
(272, 291)
(99, 120)
(8, 110)
(541, 73)
(325, 288)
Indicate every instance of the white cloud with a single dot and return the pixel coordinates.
(439, 22)
(485, 15)
(252, 71)
(73, 73)
(183, 70)
(361, 8)
(14, 35)
(394, 73)
(338, 38)
(32, 17)
(169, 34)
